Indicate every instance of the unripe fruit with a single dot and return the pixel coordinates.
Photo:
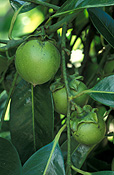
(37, 61)
(88, 129)
(60, 96)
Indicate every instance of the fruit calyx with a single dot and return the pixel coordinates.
(86, 115)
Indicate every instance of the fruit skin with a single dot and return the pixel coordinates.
(60, 101)
(60, 96)
(90, 130)
(37, 61)
(90, 133)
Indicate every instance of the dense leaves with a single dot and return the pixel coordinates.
(21, 123)
(31, 123)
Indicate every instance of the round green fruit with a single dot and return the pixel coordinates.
(60, 96)
(89, 132)
(37, 61)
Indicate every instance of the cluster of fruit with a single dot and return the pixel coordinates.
(37, 62)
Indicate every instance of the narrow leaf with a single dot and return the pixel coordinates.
(103, 23)
(71, 6)
(9, 159)
(103, 92)
(37, 162)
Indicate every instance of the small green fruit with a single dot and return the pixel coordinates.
(60, 96)
(88, 129)
(37, 61)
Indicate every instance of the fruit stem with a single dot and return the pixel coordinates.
(80, 171)
(33, 122)
(63, 45)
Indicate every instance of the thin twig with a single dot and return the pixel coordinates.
(63, 45)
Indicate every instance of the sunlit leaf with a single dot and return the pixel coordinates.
(9, 159)
(103, 23)
(72, 5)
(103, 92)
(37, 162)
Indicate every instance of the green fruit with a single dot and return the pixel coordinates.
(60, 101)
(60, 96)
(37, 61)
(88, 129)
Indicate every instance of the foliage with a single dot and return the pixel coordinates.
(35, 139)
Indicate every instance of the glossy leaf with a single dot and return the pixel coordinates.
(9, 159)
(72, 5)
(16, 4)
(37, 162)
(103, 173)
(103, 23)
(79, 152)
(103, 92)
(21, 122)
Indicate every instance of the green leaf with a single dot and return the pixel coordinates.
(71, 6)
(79, 152)
(103, 173)
(103, 92)
(37, 162)
(44, 114)
(21, 121)
(9, 159)
(103, 23)
(16, 4)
